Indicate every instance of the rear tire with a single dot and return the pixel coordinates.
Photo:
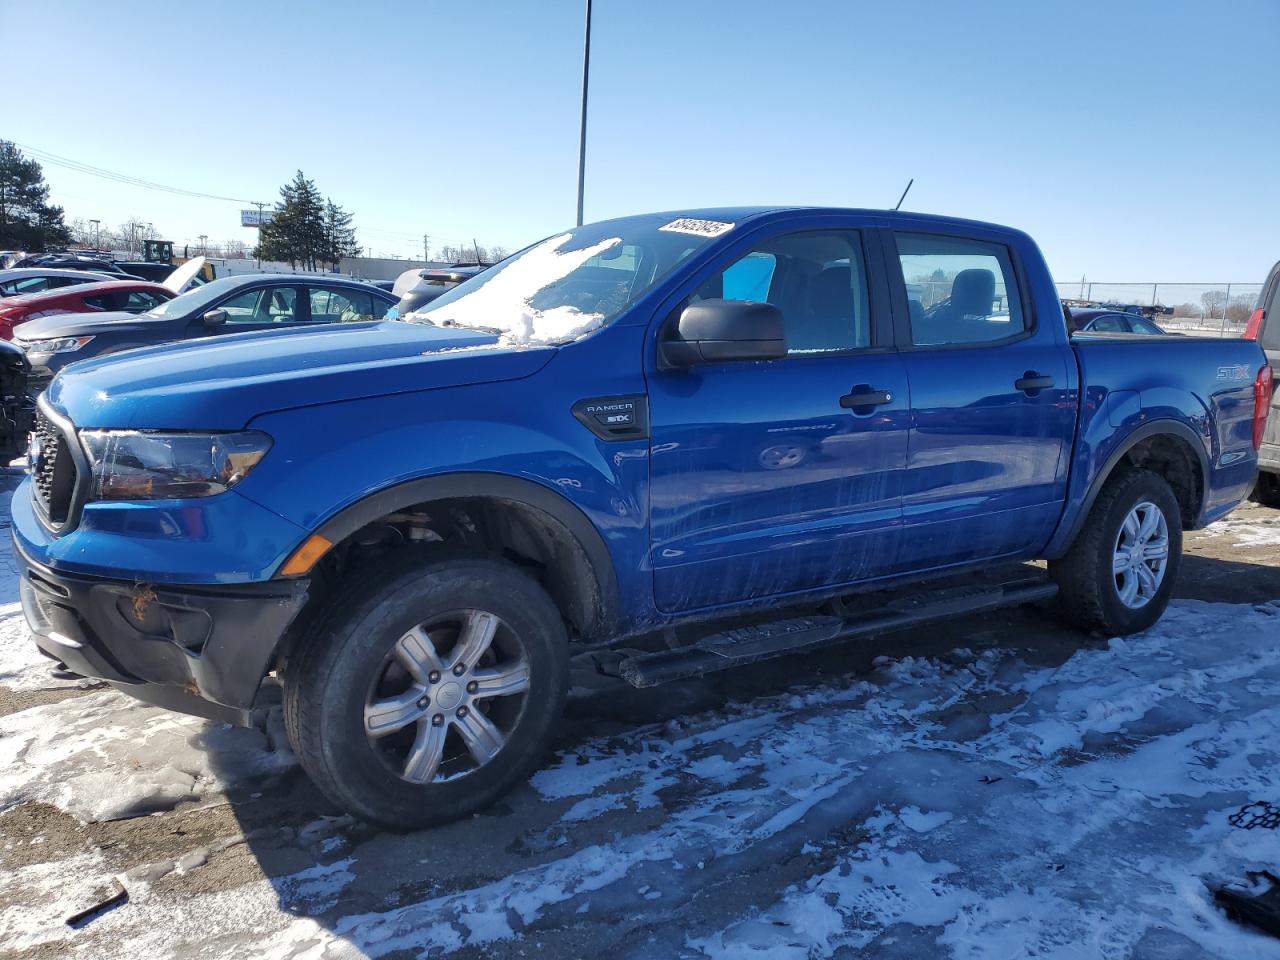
(426, 692)
(1267, 490)
(1118, 576)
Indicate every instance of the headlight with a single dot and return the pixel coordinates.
(132, 465)
(60, 345)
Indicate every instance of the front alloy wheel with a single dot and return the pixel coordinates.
(448, 696)
(427, 687)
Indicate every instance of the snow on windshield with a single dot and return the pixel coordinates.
(503, 303)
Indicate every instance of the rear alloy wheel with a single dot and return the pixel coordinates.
(1119, 573)
(1141, 555)
(428, 689)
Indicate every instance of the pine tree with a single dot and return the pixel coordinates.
(297, 229)
(339, 235)
(27, 220)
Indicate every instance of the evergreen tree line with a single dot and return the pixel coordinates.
(306, 229)
(27, 220)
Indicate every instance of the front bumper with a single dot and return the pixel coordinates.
(201, 649)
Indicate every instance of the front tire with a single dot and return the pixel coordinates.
(427, 692)
(1118, 576)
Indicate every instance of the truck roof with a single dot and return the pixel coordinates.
(740, 214)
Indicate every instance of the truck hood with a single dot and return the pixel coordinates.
(221, 383)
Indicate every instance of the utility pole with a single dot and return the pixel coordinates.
(582, 128)
(426, 246)
(204, 247)
(257, 254)
(97, 234)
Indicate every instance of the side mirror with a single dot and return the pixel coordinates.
(214, 318)
(717, 330)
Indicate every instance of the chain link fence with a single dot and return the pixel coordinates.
(1208, 307)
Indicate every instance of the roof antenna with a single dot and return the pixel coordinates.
(904, 193)
(477, 246)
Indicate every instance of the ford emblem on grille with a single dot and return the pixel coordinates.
(35, 454)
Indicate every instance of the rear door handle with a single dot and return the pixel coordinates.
(862, 398)
(1033, 381)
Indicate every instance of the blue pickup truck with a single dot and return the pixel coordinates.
(708, 437)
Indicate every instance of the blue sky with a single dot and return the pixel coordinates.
(1134, 140)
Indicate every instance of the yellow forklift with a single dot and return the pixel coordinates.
(161, 252)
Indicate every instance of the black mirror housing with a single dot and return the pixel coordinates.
(712, 331)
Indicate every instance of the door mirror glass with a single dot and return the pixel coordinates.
(716, 330)
(214, 318)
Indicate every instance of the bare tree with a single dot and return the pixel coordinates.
(1239, 308)
(1214, 301)
(132, 232)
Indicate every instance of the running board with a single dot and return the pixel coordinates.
(743, 645)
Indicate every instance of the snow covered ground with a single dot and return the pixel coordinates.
(1002, 788)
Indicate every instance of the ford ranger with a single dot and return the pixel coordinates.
(706, 438)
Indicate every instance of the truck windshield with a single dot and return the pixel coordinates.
(571, 284)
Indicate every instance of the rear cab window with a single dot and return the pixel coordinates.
(960, 291)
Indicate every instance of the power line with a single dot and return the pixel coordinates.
(80, 167)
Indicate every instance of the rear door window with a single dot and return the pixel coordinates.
(1109, 323)
(340, 305)
(959, 291)
(141, 300)
(1139, 325)
(104, 301)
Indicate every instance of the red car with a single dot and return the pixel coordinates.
(133, 296)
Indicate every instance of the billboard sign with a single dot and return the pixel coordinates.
(255, 218)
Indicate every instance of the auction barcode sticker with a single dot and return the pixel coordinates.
(699, 228)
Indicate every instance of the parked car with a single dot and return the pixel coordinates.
(17, 411)
(413, 525)
(129, 296)
(155, 272)
(22, 280)
(67, 261)
(426, 285)
(226, 305)
(160, 271)
(1264, 327)
(1112, 321)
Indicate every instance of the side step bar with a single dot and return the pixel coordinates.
(743, 645)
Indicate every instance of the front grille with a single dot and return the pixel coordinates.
(53, 471)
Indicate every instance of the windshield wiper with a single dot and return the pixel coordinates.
(495, 331)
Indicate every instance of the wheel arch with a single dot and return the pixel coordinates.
(580, 575)
(1173, 450)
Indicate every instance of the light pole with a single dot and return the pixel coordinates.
(204, 247)
(582, 128)
(97, 234)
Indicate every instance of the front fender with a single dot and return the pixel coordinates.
(333, 467)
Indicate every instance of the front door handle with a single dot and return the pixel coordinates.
(1031, 380)
(863, 398)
